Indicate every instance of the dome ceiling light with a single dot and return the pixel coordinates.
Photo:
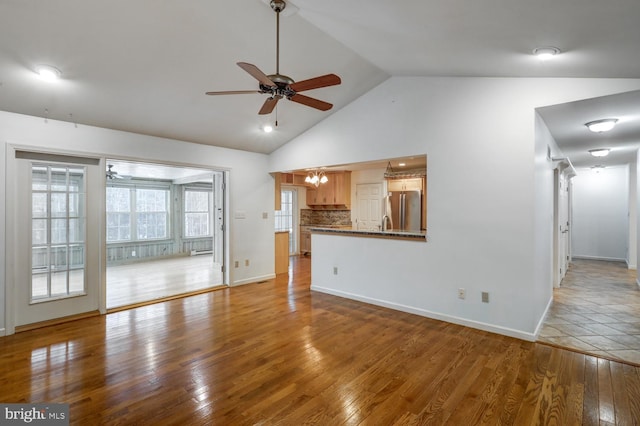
(599, 152)
(546, 52)
(48, 72)
(604, 125)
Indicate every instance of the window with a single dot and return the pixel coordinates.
(137, 213)
(118, 214)
(197, 213)
(284, 217)
(57, 231)
(151, 213)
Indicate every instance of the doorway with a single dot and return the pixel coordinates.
(164, 231)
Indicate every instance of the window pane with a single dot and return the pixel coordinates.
(196, 201)
(39, 204)
(58, 204)
(39, 232)
(59, 179)
(39, 178)
(118, 199)
(151, 225)
(196, 224)
(151, 216)
(118, 227)
(151, 200)
(197, 213)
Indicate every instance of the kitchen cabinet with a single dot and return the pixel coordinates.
(336, 192)
(305, 240)
(282, 252)
(404, 184)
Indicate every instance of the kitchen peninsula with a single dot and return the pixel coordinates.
(390, 234)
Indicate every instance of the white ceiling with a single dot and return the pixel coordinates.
(143, 66)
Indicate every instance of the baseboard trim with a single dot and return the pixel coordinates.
(543, 317)
(608, 259)
(56, 321)
(3, 332)
(253, 280)
(505, 331)
(630, 266)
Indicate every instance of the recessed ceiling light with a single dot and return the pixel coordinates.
(267, 128)
(604, 125)
(402, 164)
(546, 52)
(599, 152)
(48, 72)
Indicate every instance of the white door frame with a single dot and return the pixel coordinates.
(17, 254)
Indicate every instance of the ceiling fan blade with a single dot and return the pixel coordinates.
(311, 102)
(316, 83)
(234, 92)
(269, 105)
(256, 73)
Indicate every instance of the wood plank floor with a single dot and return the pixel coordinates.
(138, 282)
(277, 353)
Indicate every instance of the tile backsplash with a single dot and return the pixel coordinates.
(325, 217)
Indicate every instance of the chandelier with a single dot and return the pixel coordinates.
(316, 178)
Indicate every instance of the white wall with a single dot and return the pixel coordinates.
(600, 214)
(632, 255)
(489, 195)
(250, 187)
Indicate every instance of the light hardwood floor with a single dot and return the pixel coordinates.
(138, 282)
(278, 353)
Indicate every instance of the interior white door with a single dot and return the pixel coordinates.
(564, 227)
(57, 215)
(369, 201)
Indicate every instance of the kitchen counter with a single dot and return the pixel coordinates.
(393, 235)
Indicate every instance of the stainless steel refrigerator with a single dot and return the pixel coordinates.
(404, 208)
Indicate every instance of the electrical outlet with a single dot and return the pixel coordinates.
(265, 215)
(237, 264)
(485, 297)
(335, 270)
(462, 293)
(246, 262)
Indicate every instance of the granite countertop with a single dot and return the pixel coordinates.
(396, 235)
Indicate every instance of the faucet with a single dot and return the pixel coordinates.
(386, 219)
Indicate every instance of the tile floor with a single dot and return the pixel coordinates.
(597, 311)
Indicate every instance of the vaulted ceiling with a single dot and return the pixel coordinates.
(144, 66)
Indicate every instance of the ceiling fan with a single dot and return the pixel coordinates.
(279, 86)
(112, 174)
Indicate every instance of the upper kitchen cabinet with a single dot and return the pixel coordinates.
(336, 192)
(411, 184)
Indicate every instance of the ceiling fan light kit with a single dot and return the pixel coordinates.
(279, 86)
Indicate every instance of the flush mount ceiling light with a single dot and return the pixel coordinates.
(599, 152)
(546, 52)
(48, 72)
(267, 128)
(604, 125)
(316, 178)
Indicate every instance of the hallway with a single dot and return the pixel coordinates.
(596, 311)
